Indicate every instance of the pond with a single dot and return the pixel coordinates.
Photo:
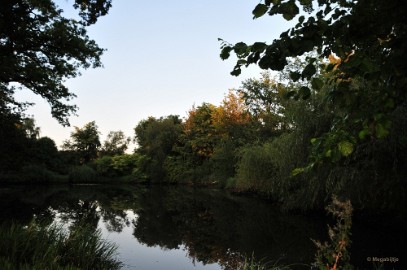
(182, 228)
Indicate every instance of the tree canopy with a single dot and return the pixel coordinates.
(84, 141)
(363, 63)
(40, 49)
(116, 143)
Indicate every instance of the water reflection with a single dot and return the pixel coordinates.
(209, 226)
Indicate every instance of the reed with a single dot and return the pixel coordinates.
(53, 247)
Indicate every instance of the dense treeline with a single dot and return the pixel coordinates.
(257, 140)
(332, 121)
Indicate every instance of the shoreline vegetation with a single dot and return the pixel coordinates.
(41, 246)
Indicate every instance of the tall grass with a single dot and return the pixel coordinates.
(252, 264)
(51, 247)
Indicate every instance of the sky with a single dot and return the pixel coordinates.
(162, 57)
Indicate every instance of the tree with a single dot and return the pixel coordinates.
(264, 99)
(155, 139)
(32, 131)
(40, 49)
(116, 143)
(85, 142)
(44, 152)
(205, 150)
(13, 142)
(199, 130)
(367, 68)
(232, 117)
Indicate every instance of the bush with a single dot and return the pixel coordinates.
(82, 174)
(103, 166)
(119, 166)
(36, 174)
(124, 164)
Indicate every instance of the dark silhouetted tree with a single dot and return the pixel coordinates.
(116, 143)
(85, 142)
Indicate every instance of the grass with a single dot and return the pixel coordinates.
(51, 247)
(252, 264)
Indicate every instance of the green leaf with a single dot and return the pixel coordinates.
(346, 148)
(240, 48)
(304, 92)
(317, 83)
(363, 134)
(259, 10)
(241, 62)
(258, 47)
(306, 2)
(225, 52)
(289, 10)
(297, 171)
(265, 62)
(309, 71)
(295, 76)
(236, 71)
(381, 131)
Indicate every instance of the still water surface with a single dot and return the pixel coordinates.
(174, 227)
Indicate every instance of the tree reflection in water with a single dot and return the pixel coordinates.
(212, 226)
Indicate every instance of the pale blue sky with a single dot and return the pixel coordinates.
(162, 57)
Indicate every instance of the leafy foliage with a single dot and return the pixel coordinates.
(120, 165)
(39, 49)
(335, 254)
(82, 174)
(85, 142)
(206, 150)
(155, 139)
(116, 143)
(366, 70)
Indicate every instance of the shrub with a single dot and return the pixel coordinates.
(335, 254)
(36, 174)
(82, 174)
(103, 166)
